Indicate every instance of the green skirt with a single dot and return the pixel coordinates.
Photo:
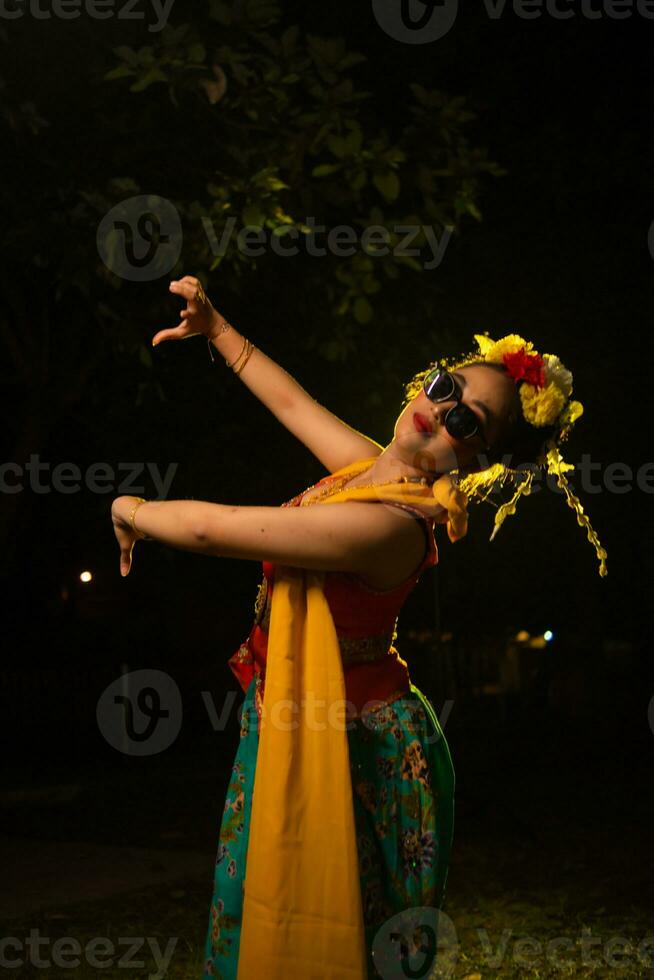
(403, 792)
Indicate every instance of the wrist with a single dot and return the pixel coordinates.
(125, 509)
(120, 509)
(219, 325)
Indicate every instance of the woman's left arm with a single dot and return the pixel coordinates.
(350, 536)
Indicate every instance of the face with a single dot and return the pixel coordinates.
(492, 397)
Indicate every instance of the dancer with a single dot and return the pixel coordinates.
(339, 811)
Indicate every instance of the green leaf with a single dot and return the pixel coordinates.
(153, 75)
(325, 169)
(275, 184)
(353, 141)
(197, 53)
(351, 59)
(337, 145)
(362, 310)
(124, 185)
(127, 54)
(289, 39)
(387, 184)
(252, 215)
(120, 72)
(221, 12)
(410, 261)
(371, 285)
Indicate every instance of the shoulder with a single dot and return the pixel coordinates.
(400, 532)
(380, 532)
(404, 542)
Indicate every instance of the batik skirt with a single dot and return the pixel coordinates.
(403, 793)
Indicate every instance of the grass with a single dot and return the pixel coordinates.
(546, 848)
(502, 932)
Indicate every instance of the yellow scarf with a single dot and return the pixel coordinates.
(302, 912)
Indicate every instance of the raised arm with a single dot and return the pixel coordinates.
(332, 441)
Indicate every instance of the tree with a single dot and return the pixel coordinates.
(278, 132)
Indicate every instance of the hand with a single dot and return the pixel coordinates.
(124, 533)
(199, 317)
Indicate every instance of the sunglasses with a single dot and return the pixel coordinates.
(460, 421)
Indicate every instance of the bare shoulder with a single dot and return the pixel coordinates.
(401, 547)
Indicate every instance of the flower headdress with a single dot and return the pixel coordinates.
(545, 389)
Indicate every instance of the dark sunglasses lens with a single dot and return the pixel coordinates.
(461, 422)
(439, 385)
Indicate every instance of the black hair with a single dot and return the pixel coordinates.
(524, 443)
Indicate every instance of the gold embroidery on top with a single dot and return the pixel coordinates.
(261, 601)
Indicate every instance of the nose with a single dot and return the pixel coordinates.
(440, 410)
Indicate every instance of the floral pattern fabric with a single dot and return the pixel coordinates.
(403, 792)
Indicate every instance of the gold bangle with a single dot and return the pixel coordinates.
(236, 359)
(139, 501)
(246, 353)
(240, 352)
(247, 357)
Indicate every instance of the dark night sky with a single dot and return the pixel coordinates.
(561, 256)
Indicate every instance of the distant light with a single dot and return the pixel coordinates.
(548, 635)
(522, 636)
(85, 577)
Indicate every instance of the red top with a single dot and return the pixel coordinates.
(365, 620)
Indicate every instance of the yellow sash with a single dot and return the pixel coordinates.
(302, 912)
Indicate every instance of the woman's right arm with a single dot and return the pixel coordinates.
(330, 439)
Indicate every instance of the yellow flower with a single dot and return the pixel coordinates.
(541, 406)
(494, 350)
(572, 411)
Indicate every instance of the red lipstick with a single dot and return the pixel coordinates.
(421, 423)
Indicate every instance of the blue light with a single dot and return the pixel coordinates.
(548, 635)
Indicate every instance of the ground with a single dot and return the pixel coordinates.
(545, 849)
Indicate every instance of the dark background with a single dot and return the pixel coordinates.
(559, 772)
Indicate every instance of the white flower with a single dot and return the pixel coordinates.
(555, 372)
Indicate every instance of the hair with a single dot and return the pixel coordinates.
(524, 445)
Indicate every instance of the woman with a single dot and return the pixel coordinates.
(350, 820)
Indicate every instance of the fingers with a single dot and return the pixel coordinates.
(125, 561)
(188, 287)
(126, 558)
(173, 333)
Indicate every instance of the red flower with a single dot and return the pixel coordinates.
(525, 367)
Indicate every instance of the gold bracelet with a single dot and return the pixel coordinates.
(247, 357)
(223, 327)
(239, 356)
(246, 352)
(141, 534)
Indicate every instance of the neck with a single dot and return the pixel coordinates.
(390, 466)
